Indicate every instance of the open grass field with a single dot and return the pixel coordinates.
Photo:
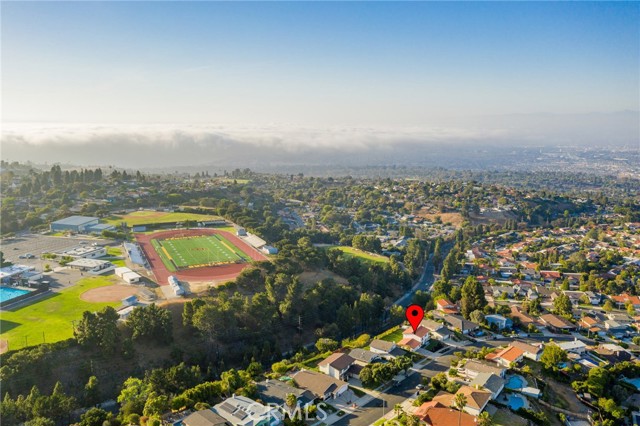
(145, 217)
(197, 251)
(369, 257)
(50, 319)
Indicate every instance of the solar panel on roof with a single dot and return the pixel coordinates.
(239, 414)
(225, 406)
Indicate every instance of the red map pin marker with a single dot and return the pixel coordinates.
(414, 314)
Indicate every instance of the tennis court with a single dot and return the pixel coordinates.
(197, 251)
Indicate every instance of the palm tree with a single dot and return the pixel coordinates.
(460, 401)
(398, 409)
(484, 419)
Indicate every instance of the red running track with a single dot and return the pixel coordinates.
(210, 273)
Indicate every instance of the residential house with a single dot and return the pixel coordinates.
(575, 346)
(274, 393)
(594, 298)
(477, 399)
(320, 385)
(459, 323)
(430, 324)
(242, 411)
(336, 365)
(619, 317)
(525, 319)
(204, 418)
(433, 413)
(421, 334)
(472, 367)
(364, 357)
(616, 328)
(498, 291)
(550, 276)
(624, 298)
(489, 382)
(613, 353)
(498, 321)
(442, 334)
(381, 346)
(589, 324)
(529, 351)
(507, 356)
(410, 344)
(557, 323)
(443, 305)
(574, 296)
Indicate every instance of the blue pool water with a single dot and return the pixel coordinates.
(515, 382)
(516, 401)
(635, 382)
(8, 293)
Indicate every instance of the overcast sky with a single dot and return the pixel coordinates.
(463, 67)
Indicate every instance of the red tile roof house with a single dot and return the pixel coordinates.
(533, 352)
(434, 413)
(447, 307)
(421, 334)
(622, 300)
(550, 276)
(507, 356)
(410, 343)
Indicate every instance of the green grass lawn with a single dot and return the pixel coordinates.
(52, 316)
(370, 257)
(197, 251)
(144, 217)
(395, 336)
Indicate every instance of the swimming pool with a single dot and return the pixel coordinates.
(635, 382)
(8, 293)
(516, 401)
(515, 382)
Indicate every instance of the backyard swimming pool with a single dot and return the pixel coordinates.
(516, 401)
(8, 293)
(515, 382)
(635, 382)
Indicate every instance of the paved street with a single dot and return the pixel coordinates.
(375, 409)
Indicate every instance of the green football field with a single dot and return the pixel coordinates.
(195, 252)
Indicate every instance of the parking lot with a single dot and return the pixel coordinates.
(36, 245)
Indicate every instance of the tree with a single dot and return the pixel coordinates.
(291, 400)
(91, 392)
(325, 345)
(472, 297)
(40, 421)
(460, 401)
(552, 356)
(562, 305)
(94, 417)
(631, 311)
(608, 306)
(133, 396)
(484, 419)
(151, 322)
(477, 316)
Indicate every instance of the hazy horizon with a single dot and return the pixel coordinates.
(223, 80)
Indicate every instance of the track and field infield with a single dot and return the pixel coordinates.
(204, 254)
(197, 251)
